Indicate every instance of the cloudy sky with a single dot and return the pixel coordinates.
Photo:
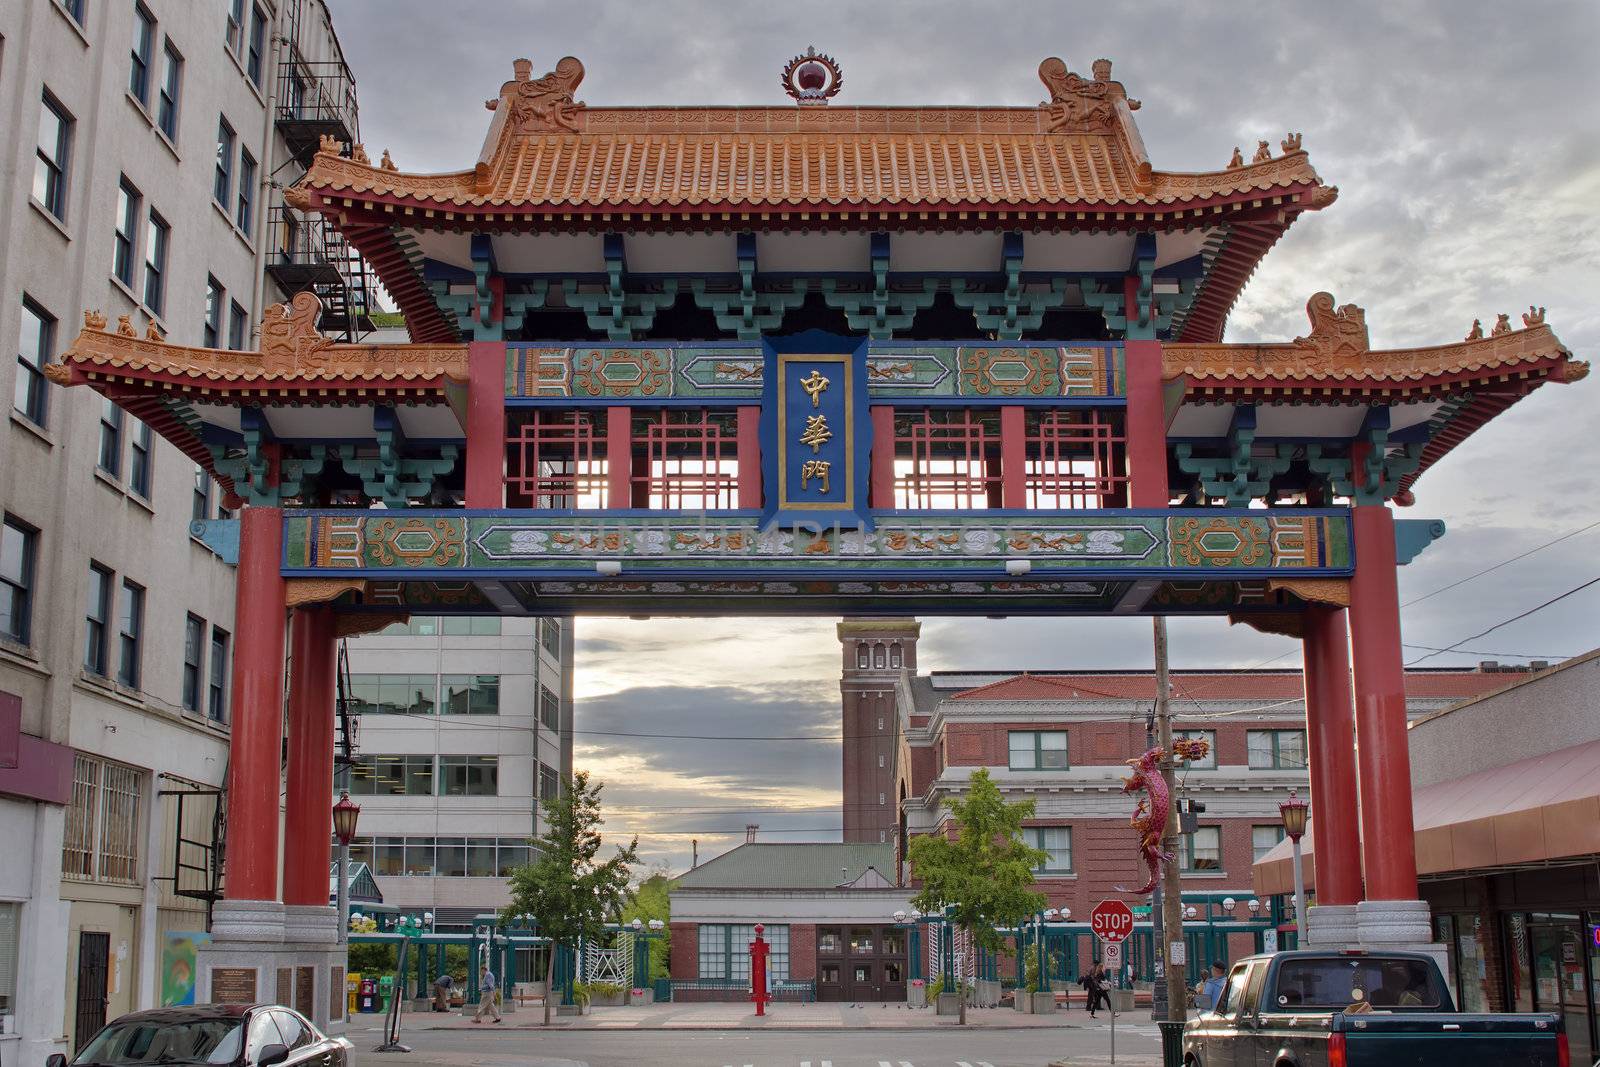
(1465, 141)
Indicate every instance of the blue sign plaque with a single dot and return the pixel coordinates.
(816, 432)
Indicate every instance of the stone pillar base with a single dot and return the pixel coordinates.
(1394, 922)
(1332, 926)
(262, 952)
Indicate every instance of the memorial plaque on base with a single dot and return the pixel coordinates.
(336, 993)
(233, 985)
(283, 989)
(305, 991)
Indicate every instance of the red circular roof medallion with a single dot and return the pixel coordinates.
(812, 78)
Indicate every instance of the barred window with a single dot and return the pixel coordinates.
(556, 459)
(725, 951)
(102, 827)
(690, 459)
(947, 458)
(1076, 459)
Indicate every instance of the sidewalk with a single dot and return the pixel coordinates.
(731, 1016)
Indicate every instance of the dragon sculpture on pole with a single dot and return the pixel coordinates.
(1150, 817)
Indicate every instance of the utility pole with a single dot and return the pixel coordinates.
(1158, 955)
(1171, 929)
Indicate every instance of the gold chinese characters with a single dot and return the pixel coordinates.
(818, 469)
(814, 384)
(816, 432)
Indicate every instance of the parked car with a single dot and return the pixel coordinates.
(219, 1035)
(1359, 1009)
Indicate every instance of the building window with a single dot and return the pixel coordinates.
(1201, 850)
(31, 397)
(200, 510)
(395, 776)
(1264, 839)
(102, 825)
(19, 545)
(217, 687)
(1038, 750)
(222, 183)
(245, 212)
(130, 633)
(549, 784)
(549, 709)
(235, 36)
(255, 56)
(238, 326)
(110, 439)
(127, 232)
(139, 458)
(470, 625)
(54, 155)
(1279, 750)
(194, 652)
(863, 658)
(550, 636)
(393, 694)
(1056, 843)
(1210, 738)
(725, 951)
(469, 776)
(73, 8)
(1075, 459)
(10, 928)
(471, 694)
(947, 458)
(155, 263)
(556, 459)
(215, 294)
(98, 620)
(690, 459)
(171, 81)
(144, 43)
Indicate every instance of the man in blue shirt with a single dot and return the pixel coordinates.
(487, 989)
(1211, 988)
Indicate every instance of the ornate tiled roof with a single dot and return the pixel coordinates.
(1335, 357)
(292, 355)
(546, 152)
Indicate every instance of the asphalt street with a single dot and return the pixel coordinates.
(1136, 1047)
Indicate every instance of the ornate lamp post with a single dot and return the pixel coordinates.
(1294, 812)
(345, 814)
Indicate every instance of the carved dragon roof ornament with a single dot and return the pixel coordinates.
(289, 336)
(812, 78)
(542, 105)
(1338, 334)
(1082, 105)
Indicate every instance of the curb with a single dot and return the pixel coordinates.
(783, 1028)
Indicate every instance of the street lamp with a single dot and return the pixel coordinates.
(1254, 906)
(1294, 812)
(345, 814)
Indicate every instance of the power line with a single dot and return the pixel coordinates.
(1515, 618)
(1502, 563)
(1486, 652)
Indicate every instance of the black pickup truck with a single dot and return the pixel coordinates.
(1359, 1009)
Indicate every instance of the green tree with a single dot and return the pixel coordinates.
(651, 900)
(981, 878)
(567, 890)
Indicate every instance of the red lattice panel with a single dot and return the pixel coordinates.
(685, 459)
(1077, 459)
(556, 459)
(947, 458)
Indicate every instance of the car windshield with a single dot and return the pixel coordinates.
(1338, 982)
(148, 1041)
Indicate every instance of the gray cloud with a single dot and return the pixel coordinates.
(1467, 150)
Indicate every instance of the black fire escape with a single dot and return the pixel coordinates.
(316, 98)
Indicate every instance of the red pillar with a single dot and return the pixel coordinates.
(1146, 417)
(252, 843)
(749, 445)
(619, 457)
(1388, 837)
(1013, 457)
(308, 815)
(881, 493)
(1330, 718)
(486, 424)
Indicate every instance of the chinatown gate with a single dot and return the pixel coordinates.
(809, 359)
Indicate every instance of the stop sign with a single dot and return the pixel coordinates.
(1111, 920)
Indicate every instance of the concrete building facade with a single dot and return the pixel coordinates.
(464, 726)
(145, 145)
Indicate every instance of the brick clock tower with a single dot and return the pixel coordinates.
(876, 651)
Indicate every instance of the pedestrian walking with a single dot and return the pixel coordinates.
(1094, 985)
(488, 992)
(441, 992)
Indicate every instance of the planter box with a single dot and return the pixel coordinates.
(949, 1004)
(1022, 1000)
(1043, 1003)
(572, 1009)
(917, 996)
(638, 998)
(609, 1000)
(1121, 1000)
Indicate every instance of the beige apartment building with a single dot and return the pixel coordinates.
(146, 144)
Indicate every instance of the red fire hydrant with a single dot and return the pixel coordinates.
(758, 971)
